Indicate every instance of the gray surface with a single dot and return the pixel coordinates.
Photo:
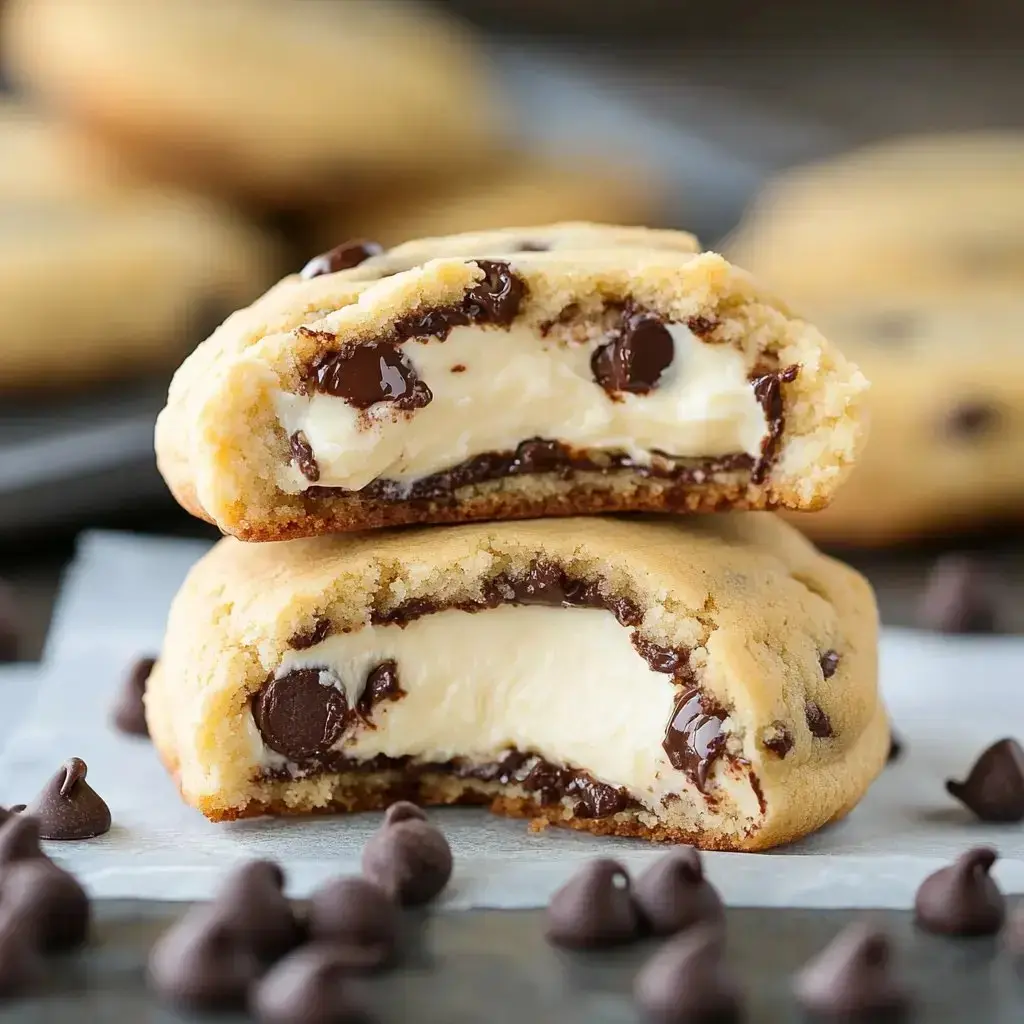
(495, 966)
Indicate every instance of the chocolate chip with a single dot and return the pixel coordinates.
(407, 856)
(687, 982)
(496, 299)
(10, 624)
(594, 908)
(853, 979)
(312, 986)
(21, 963)
(895, 748)
(994, 788)
(68, 807)
(1013, 933)
(817, 721)
(319, 632)
(364, 375)
(780, 742)
(673, 894)
(381, 685)
(970, 420)
(702, 326)
(302, 713)
(19, 840)
(634, 360)
(694, 737)
(829, 662)
(50, 898)
(591, 799)
(957, 598)
(129, 712)
(768, 392)
(962, 899)
(251, 902)
(341, 257)
(302, 455)
(355, 912)
(670, 660)
(201, 964)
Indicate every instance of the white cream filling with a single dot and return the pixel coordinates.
(515, 385)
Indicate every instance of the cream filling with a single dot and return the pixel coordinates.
(564, 683)
(516, 385)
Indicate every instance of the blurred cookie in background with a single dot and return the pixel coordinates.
(274, 101)
(93, 291)
(520, 189)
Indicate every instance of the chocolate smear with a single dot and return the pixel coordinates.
(408, 857)
(68, 807)
(129, 712)
(673, 894)
(316, 634)
(957, 597)
(962, 899)
(636, 357)
(357, 913)
(694, 737)
(342, 257)
(303, 457)
(302, 713)
(994, 787)
(49, 897)
(381, 685)
(594, 908)
(364, 375)
(252, 904)
(768, 392)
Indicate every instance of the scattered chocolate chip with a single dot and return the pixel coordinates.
(21, 963)
(408, 857)
(364, 375)
(68, 807)
(829, 662)
(252, 903)
(50, 898)
(817, 721)
(768, 392)
(594, 908)
(341, 257)
(10, 624)
(355, 912)
(129, 712)
(962, 899)
(687, 982)
(694, 737)
(895, 748)
(302, 454)
(1013, 933)
(994, 788)
(312, 986)
(640, 351)
(301, 713)
(702, 326)
(319, 632)
(673, 894)
(853, 979)
(381, 685)
(780, 742)
(957, 598)
(200, 963)
(19, 840)
(970, 420)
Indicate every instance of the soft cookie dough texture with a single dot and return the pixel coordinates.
(522, 373)
(709, 680)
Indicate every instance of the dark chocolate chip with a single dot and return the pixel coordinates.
(817, 721)
(68, 807)
(853, 979)
(341, 257)
(829, 662)
(50, 898)
(10, 624)
(312, 986)
(962, 899)
(768, 392)
(298, 715)
(673, 894)
(636, 357)
(19, 840)
(702, 326)
(687, 982)
(129, 712)
(302, 455)
(319, 632)
(364, 375)
(496, 299)
(381, 685)
(970, 420)
(895, 748)
(1013, 933)
(957, 598)
(355, 912)
(592, 799)
(252, 903)
(780, 743)
(21, 962)
(670, 660)
(994, 788)
(694, 737)
(408, 857)
(594, 908)
(200, 963)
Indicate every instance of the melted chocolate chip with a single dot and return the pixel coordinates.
(957, 598)
(594, 908)
(640, 351)
(381, 685)
(298, 715)
(671, 660)
(592, 799)
(341, 257)
(702, 326)
(694, 737)
(781, 742)
(68, 807)
(962, 899)
(829, 662)
(129, 713)
(354, 912)
(673, 894)
(994, 788)
(817, 721)
(50, 898)
(317, 634)
(302, 454)
(364, 375)
(408, 857)
(970, 420)
(768, 392)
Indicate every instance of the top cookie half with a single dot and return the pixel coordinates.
(562, 370)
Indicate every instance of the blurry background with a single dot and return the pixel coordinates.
(161, 164)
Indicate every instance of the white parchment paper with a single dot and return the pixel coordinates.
(948, 697)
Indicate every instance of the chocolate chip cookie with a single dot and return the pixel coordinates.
(539, 371)
(708, 680)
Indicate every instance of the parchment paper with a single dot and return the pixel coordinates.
(948, 697)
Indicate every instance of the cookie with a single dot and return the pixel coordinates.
(931, 214)
(278, 102)
(538, 371)
(946, 447)
(117, 287)
(708, 680)
(518, 189)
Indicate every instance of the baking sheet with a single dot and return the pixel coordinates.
(948, 697)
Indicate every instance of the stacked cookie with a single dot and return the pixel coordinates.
(703, 678)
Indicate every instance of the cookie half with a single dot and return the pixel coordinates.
(709, 680)
(531, 372)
